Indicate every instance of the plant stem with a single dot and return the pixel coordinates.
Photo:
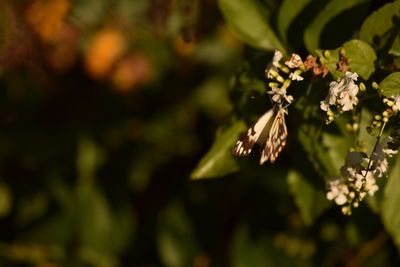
(373, 150)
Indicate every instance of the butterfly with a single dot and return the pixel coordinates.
(269, 131)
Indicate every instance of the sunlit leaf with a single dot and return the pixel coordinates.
(391, 202)
(219, 160)
(287, 13)
(310, 200)
(250, 23)
(391, 85)
(360, 59)
(376, 28)
(395, 49)
(332, 9)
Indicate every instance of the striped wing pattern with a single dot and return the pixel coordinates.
(246, 142)
(269, 131)
(276, 140)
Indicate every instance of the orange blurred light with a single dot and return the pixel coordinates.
(46, 17)
(182, 48)
(103, 51)
(132, 72)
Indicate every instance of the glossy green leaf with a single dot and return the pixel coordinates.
(395, 49)
(360, 57)
(391, 203)
(379, 24)
(287, 13)
(219, 160)
(176, 242)
(332, 61)
(331, 10)
(310, 200)
(249, 22)
(391, 85)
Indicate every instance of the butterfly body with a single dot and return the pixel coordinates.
(269, 131)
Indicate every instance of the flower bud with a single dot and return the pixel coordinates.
(286, 84)
(377, 117)
(390, 103)
(343, 52)
(356, 126)
(362, 87)
(273, 85)
(385, 114)
(327, 54)
(284, 69)
(280, 79)
(375, 85)
(386, 119)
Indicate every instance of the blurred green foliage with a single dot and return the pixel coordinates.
(107, 107)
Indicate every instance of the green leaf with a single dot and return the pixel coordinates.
(219, 160)
(360, 55)
(310, 201)
(391, 85)
(287, 13)
(332, 9)
(250, 23)
(379, 24)
(395, 49)
(391, 203)
(176, 241)
(332, 61)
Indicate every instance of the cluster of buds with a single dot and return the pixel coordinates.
(291, 69)
(317, 69)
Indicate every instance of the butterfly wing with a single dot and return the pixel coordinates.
(256, 132)
(276, 139)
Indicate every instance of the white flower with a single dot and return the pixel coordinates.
(271, 71)
(380, 163)
(352, 165)
(278, 94)
(337, 191)
(342, 92)
(294, 62)
(295, 76)
(277, 57)
(368, 183)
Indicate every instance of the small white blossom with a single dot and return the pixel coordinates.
(295, 76)
(342, 92)
(294, 62)
(278, 94)
(273, 69)
(382, 151)
(352, 165)
(368, 183)
(337, 191)
(277, 57)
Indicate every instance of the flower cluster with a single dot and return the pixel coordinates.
(359, 174)
(292, 69)
(342, 95)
